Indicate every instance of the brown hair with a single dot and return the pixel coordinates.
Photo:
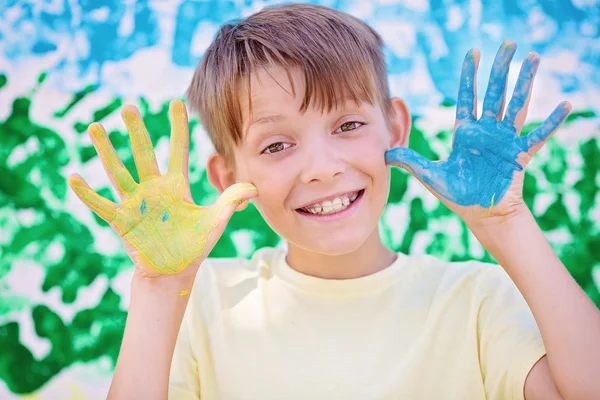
(340, 56)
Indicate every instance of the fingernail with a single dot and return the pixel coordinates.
(248, 186)
(95, 129)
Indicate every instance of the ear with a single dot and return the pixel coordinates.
(400, 123)
(220, 175)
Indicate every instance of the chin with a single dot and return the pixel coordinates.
(342, 243)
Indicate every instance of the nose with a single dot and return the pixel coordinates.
(321, 161)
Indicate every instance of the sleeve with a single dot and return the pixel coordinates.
(510, 343)
(184, 379)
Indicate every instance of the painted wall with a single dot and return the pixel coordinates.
(64, 277)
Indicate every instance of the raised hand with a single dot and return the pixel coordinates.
(483, 176)
(162, 229)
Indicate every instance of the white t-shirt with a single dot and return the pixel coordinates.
(418, 329)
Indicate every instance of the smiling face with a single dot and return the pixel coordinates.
(321, 176)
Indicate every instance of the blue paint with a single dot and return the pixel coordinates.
(438, 38)
(104, 40)
(522, 87)
(43, 46)
(494, 96)
(143, 207)
(165, 216)
(484, 157)
(466, 93)
(189, 14)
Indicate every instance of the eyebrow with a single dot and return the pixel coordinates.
(265, 120)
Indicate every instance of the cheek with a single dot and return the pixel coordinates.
(267, 197)
(371, 153)
(272, 185)
(372, 162)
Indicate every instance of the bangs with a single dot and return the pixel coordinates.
(339, 56)
(329, 82)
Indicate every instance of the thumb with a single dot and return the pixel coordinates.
(411, 161)
(232, 198)
(242, 206)
(220, 213)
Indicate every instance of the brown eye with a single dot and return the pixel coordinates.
(276, 147)
(350, 126)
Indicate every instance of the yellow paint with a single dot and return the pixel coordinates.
(121, 177)
(145, 160)
(168, 246)
(101, 206)
(184, 292)
(179, 136)
(488, 212)
(491, 205)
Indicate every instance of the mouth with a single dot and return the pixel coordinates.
(339, 205)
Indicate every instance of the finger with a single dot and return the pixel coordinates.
(466, 106)
(493, 103)
(104, 208)
(231, 198)
(211, 236)
(220, 213)
(242, 206)
(180, 138)
(222, 210)
(428, 172)
(517, 108)
(117, 173)
(410, 160)
(536, 139)
(143, 154)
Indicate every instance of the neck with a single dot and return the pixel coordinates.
(370, 257)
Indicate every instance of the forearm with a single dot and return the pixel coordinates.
(569, 322)
(155, 314)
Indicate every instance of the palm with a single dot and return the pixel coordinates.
(160, 228)
(163, 231)
(486, 158)
(484, 173)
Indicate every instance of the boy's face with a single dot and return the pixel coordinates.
(298, 159)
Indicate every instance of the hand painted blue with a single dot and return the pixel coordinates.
(143, 207)
(484, 157)
(165, 216)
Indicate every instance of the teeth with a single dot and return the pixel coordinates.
(333, 206)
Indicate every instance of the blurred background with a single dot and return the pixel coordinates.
(64, 277)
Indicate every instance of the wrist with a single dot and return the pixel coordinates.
(501, 233)
(168, 285)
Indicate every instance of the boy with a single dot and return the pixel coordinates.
(296, 102)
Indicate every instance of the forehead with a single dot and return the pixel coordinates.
(280, 91)
(271, 89)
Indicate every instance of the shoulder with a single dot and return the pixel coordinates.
(472, 277)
